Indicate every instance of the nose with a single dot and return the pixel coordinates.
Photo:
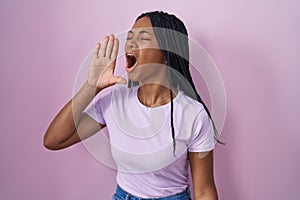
(131, 44)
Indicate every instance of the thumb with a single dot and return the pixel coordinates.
(119, 80)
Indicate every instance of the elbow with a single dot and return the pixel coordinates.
(50, 144)
(209, 193)
(212, 195)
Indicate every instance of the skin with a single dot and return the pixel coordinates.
(202, 176)
(71, 125)
(151, 70)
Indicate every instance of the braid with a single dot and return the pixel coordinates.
(173, 42)
(172, 111)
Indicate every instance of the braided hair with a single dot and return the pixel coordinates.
(172, 38)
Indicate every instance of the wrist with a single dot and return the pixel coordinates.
(91, 83)
(93, 89)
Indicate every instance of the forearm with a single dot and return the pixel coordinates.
(70, 121)
(210, 194)
(65, 122)
(202, 175)
(80, 101)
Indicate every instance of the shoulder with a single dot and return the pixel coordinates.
(122, 91)
(194, 112)
(189, 104)
(114, 92)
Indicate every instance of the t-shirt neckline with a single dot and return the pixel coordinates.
(156, 107)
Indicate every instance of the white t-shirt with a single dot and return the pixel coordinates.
(141, 140)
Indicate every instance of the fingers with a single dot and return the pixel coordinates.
(110, 45)
(103, 47)
(115, 49)
(118, 80)
(96, 50)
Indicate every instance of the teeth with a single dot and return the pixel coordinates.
(131, 59)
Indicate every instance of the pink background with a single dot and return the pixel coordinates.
(255, 45)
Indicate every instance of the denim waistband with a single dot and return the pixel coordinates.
(123, 195)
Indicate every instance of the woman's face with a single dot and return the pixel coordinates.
(143, 56)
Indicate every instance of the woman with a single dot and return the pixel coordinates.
(172, 126)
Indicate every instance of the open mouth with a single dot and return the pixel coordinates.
(131, 61)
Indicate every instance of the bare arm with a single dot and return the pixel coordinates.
(71, 125)
(64, 130)
(202, 175)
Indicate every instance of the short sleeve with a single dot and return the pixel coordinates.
(203, 134)
(94, 111)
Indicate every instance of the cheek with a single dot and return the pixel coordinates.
(151, 56)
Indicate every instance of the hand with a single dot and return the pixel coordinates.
(102, 66)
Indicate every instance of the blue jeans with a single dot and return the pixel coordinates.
(123, 195)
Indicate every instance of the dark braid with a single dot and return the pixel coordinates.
(172, 110)
(172, 38)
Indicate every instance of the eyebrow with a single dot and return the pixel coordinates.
(140, 32)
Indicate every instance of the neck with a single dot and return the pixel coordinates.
(153, 95)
